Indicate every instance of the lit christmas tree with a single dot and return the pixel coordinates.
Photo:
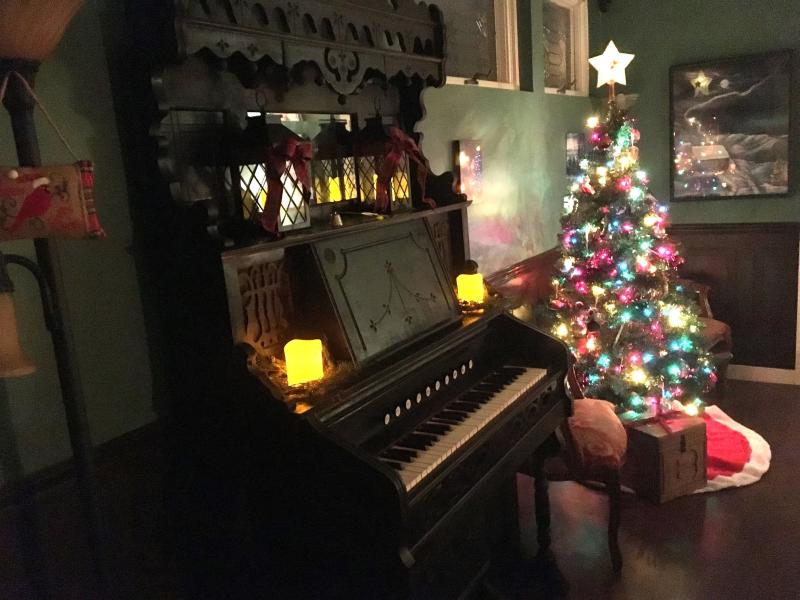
(633, 330)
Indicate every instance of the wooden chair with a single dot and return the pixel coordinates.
(593, 443)
(716, 336)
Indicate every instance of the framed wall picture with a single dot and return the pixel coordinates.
(730, 127)
(481, 42)
(576, 150)
(468, 168)
(565, 35)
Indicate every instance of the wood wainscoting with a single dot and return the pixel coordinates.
(752, 269)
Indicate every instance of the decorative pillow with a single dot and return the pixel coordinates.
(48, 201)
(599, 438)
(715, 332)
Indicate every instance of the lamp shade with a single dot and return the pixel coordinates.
(13, 362)
(31, 29)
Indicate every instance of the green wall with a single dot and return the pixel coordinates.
(662, 34)
(522, 139)
(522, 136)
(103, 295)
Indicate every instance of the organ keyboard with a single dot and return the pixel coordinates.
(419, 453)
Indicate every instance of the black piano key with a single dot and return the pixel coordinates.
(497, 385)
(491, 388)
(479, 397)
(444, 421)
(453, 415)
(419, 441)
(467, 407)
(412, 444)
(499, 379)
(475, 405)
(395, 465)
(399, 454)
(433, 428)
(498, 376)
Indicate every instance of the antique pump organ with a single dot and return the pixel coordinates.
(281, 196)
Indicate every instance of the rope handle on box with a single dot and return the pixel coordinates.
(29, 89)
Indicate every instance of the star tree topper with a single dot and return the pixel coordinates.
(610, 66)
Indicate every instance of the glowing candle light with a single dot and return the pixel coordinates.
(334, 191)
(303, 361)
(471, 288)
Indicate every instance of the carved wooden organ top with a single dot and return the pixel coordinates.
(241, 101)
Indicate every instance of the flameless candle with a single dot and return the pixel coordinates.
(303, 361)
(470, 288)
(334, 191)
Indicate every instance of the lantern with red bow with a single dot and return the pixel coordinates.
(383, 166)
(270, 164)
(333, 169)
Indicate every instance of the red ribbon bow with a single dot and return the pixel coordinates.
(297, 154)
(399, 144)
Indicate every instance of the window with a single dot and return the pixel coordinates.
(566, 41)
(481, 42)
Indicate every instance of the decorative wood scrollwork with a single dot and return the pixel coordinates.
(230, 57)
(440, 228)
(260, 301)
(341, 37)
(265, 300)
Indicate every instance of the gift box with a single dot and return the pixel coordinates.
(666, 457)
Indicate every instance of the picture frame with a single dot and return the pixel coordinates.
(498, 26)
(565, 43)
(731, 120)
(468, 168)
(576, 149)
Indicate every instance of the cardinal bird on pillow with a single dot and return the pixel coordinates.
(37, 197)
(48, 201)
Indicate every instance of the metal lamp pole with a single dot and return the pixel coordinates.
(47, 270)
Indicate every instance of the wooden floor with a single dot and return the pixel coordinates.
(738, 543)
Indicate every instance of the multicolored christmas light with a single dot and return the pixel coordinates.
(633, 330)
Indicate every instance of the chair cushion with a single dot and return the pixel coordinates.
(598, 438)
(715, 332)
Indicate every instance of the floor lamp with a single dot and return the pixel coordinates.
(35, 28)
